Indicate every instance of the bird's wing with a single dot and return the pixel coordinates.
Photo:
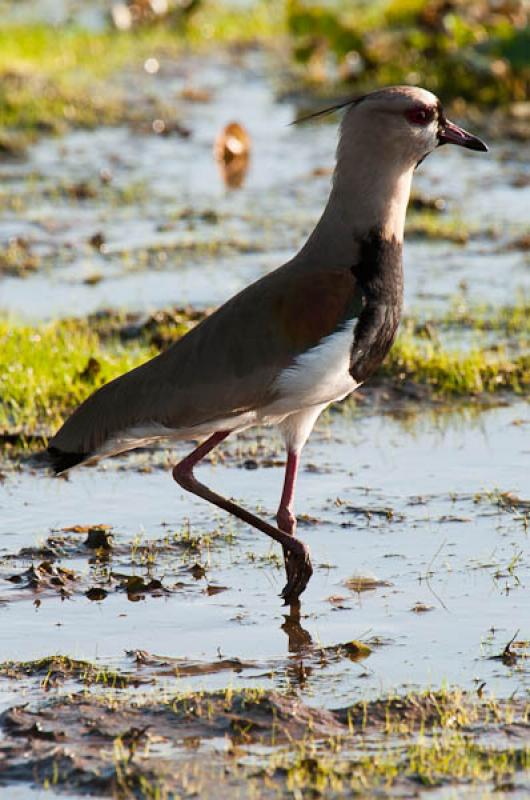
(224, 366)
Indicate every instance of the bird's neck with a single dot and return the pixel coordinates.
(364, 200)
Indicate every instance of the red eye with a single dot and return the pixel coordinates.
(419, 116)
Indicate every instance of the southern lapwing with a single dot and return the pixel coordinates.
(301, 337)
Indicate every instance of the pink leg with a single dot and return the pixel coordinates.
(285, 517)
(300, 569)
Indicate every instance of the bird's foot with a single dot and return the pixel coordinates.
(298, 568)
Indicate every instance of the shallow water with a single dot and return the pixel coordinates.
(156, 180)
(447, 546)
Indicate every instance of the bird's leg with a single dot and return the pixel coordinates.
(285, 518)
(300, 569)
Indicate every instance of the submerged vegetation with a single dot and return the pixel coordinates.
(47, 369)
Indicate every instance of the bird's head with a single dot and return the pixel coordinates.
(403, 124)
(384, 135)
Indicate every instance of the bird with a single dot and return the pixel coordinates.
(303, 336)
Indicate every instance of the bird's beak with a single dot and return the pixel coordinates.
(452, 134)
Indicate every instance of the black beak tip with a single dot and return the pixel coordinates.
(453, 134)
(479, 145)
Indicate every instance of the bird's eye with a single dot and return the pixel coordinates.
(419, 116)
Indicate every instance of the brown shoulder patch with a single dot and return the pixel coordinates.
(313, 306)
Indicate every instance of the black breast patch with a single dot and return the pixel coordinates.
(379, 277)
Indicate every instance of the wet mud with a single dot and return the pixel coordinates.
(250, 742)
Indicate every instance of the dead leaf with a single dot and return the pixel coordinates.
(364, 583)
(97, 240)
(99, 538)
(212, 589)
(96, 593)
(421, 608)
(85, 528)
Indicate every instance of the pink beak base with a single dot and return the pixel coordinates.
(452, 134)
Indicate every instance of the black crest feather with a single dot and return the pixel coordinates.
(353, 101)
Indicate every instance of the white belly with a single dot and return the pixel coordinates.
(317, 377)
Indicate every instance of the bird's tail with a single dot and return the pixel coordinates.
(99, 427)
(61, 461)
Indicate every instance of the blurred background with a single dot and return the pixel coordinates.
(470, 52)
(147, 158)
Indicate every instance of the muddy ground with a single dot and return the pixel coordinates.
(145, 650)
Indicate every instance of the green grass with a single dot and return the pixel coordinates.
(511, 320)
(50, 79)
(59, 51)
(276, 746)
(432, 225)
(59, 667)
(46, 370)
(453, 372)
(55, 78)
(423, 739)
(214, 22)
(431, 761)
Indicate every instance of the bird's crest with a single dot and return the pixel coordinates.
(353, 101)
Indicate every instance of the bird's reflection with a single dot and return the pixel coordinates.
(299, 639)
(300, 645)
